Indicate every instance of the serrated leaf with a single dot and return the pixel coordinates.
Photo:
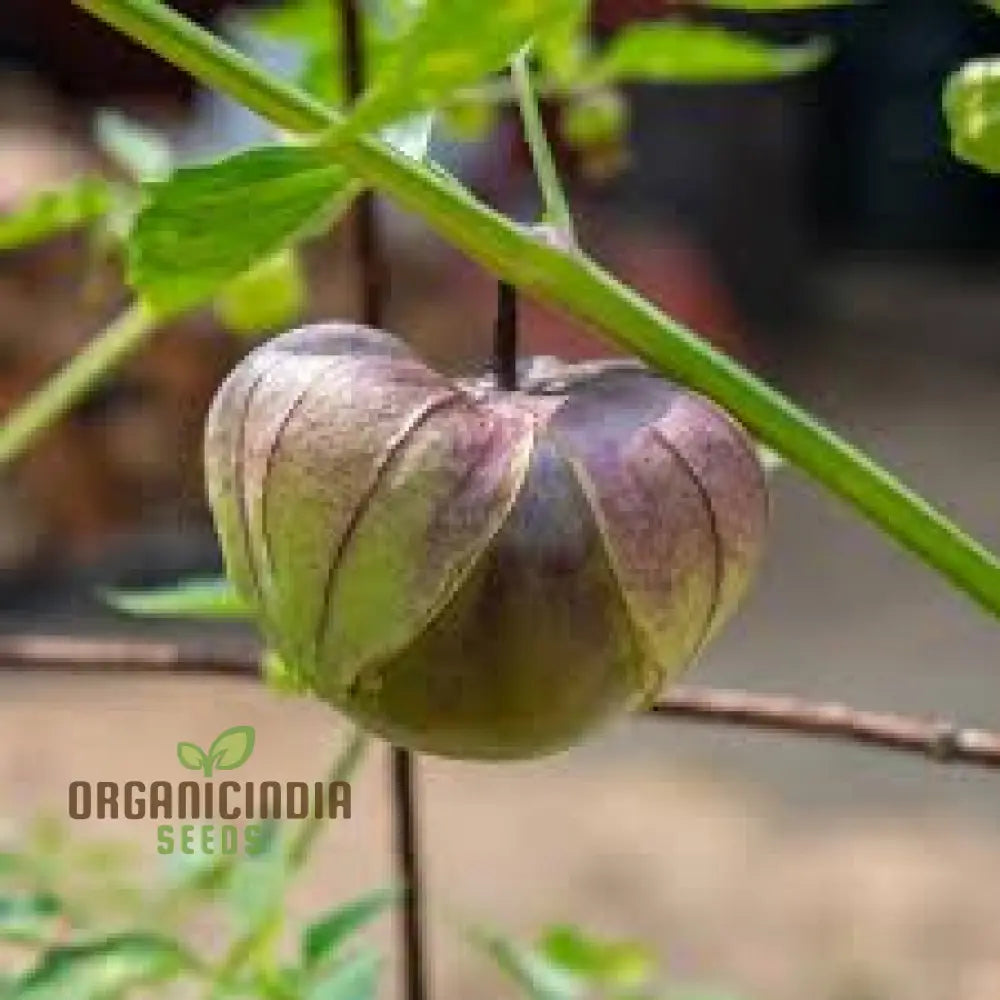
(214, 598)
(972, 109)
(692, 53)
(97, 969)
(356, 978)
(206, 225)
(48, 213)
(191, 756)
(324, 936)
(452, 44)
(232, 747)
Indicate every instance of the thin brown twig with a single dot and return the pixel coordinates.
(372, 289)
(935, 739)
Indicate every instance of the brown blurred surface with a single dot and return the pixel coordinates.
(90, 62)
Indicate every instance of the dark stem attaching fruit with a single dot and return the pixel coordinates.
(474, 572)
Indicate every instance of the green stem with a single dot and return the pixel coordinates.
(263, 933)
(118, 341)
(557, 211)
(582, 288)
(309, 828)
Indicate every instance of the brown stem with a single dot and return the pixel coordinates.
(372, 292)
(936, 739)
(505, 337)
(367, 242)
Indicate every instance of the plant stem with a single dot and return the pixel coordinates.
(582, 288)
(404, 786)
(557, 211)
(104, 353)
(267, 929)
(505, 337)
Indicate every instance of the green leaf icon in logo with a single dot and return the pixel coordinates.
(193, 757)
(230, 750)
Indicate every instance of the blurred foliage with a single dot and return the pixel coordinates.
(87, 921)
(972, 110)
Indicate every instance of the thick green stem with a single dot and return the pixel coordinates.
(583, 289)
(103, 354)
(557, 211)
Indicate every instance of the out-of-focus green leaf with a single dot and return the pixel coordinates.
(270, 296)
(972, 109)
(28, 918)
(690, 53)
(469, 117)
(618, 964)
(325, 936)
(98, 969)
(49, 213)
(199, 598)
(313, 25)
(11, 863)
(563, 46)
(356, 978)
(207, 225)
(534, 973)
(451, 44)
(142, 152)
(595, 118)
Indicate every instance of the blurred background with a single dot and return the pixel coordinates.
(817, 228)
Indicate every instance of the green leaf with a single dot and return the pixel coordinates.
(535, 974)
(232, 748)
(314, 26)
(49, 213)
(451, 45)
(595, 118)
(191, 756)
(142, 152)
(269, 297)
(95, 970)
(324, 936)
(195, 598)
(209, 224)
(356, 978)
(564, 45)
(619, 964)
(690, 53)
(28, 918)
(972, 110)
